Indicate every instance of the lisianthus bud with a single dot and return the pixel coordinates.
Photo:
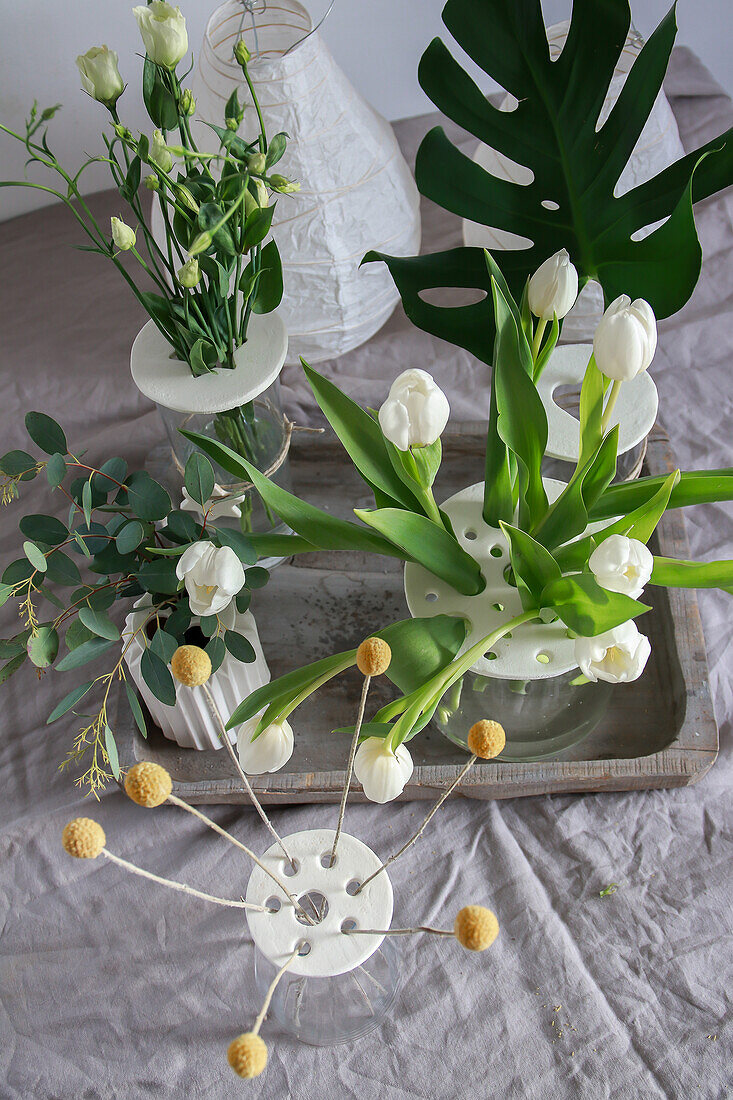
(626, 339)
(200, 243)
(617, 656)
(122, 131)
(241, 52)
(152, 183)
(163, 31)
(263, 198)
(621, 564)
(100, 77)
(184, 195)
(270, 751)
(232, 124)
(382, 772)
(256, 163)
(189, 275)
(123, 237)
(554, 287)
(160, 154)
(416, 410)
(283, 185)
(188, 103)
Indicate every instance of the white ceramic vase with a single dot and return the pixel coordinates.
(191, 722)
(357, 192)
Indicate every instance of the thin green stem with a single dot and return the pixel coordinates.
(537, 338)
(613, 395)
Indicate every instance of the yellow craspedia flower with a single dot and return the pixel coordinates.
(148, 784)
(373, 657)
(191, 665)
(83, 838)
(476, 927)
(486, 739)
(247, 1055)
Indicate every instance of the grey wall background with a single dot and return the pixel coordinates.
(377, 42)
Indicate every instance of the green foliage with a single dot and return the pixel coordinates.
(198, 477)
(46, 433)
(157, 676)
(675, 573)
(587, 608)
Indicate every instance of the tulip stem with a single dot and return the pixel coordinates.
(350, 766)
(172, 885)
(612, 396)
(446, 794)
(268, 996)
(537, 338)
(245, 781)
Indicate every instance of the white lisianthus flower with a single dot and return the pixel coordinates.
(160, 154)
(626, 339)
(100, 77)
(416, 410)
(123, 237)
(269, 752)
(220, 505)
(189, 275)
(554, 287)
(163, 31)
(381, 772)
(621, 564)
(212, 575)
(618, 656)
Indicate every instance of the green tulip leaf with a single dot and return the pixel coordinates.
(587, 608)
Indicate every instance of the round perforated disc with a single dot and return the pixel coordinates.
(635, 410)
(331, 951)
(169, 382)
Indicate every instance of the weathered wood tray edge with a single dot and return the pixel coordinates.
(684, 762)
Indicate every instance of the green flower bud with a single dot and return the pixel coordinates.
(122, 131)
(232, 124)
(185, 196)
(188, 103)
(241, 52)
(200, 244)
(122, 235)
(189, 275)
(160, 153)
(152, 183)
(263, 198)
(283, 185)
(256, 163)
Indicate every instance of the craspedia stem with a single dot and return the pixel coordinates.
(350, 767)
(181, 886)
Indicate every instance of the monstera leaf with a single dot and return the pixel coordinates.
(570, 201)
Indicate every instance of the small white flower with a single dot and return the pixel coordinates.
(620, 564)
(416, 410)
(123, 237)
(626, 339)
(163, 31)
(618, 656)
(554, 287)
(381, 772)
(160, 154)
(212, 575)
(269, 752)
(100, 77)
(220, 505)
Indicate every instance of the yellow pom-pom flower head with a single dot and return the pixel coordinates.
(486, 739)
(476, 927)
(83, 838)
(191, 665)
(148, 784)
(373, 657)
(247, 1055)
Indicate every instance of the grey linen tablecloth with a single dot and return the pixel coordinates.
(111, 987)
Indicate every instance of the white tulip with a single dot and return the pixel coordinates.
(100, 77)
(163, 31)
(621, 564)
(269, 752)
(212, 575)
(220, 505)
(554, 287)
(160, 154)
(381, 772)
(123, 237)
(618, 656)
(416, 410)
(626, 339)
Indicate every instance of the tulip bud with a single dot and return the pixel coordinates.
(189, 275)
(621, 564)
(241, 52)
(617, 656)
(256, 163)
(188, 103)
(152, 183)
(554, 287)
(416, 411)
(626, 339)
(212, 575)
(100, 77)
(283, 185)
(267, 753)
(163, 31)
(160, 153)
(123, 237)
(200, 243)
(382, 772)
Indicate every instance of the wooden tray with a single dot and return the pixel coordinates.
(659, 731)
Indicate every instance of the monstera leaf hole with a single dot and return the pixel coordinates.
(449, 297)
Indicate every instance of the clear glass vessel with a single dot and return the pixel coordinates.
(326, 1011)
(540, 717)
(259, 432)
(628, 465)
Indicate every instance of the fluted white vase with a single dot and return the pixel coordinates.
(357, 192)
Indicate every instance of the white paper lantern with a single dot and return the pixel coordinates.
(357, 191)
